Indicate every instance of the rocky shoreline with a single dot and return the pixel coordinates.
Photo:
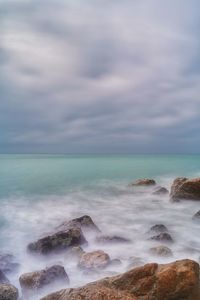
(177, 280)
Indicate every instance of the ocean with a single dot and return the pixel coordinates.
(39, 192)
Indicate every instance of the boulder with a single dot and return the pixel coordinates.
(158, 228)
(111, 239)
(161, 251)
(196, 216)
(85, 223)
(160, 191)
(8, 292)
(3, 278)
(94, 260)
(184, 188)
(143, 182)
(8, 263)
(175, 281)
(162, 237)
(59, 241)
(34, 281)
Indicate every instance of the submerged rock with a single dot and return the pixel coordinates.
(84, 222)
(58, 241)
(94, 260)
(161, 251)
(158, 228)
(8, 292)
(160, 191)
(143, 182)
(8, 263)
(178, 280)
(111, 239)
(33, 281)
(184, 188)
(135, 262)
(196, 216)
(164, 237)
(3, 278)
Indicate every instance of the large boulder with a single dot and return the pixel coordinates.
(59, 241)
(175, 281)
(34, 281)
(94, 260)
(143, 182)
(8, 292)
(184, 188)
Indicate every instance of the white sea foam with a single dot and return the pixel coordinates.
(116, 209)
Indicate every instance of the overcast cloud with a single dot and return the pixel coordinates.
(99, 76)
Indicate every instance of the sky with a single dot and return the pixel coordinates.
(98, 76)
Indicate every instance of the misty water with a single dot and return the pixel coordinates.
(39, 192)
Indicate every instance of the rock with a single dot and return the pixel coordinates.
(184, 188)
(135, 262)
(8, 292)
(109, 239)
(85, 223)
(115, 262)
(161, 251)
(143, 182)
(8, 263)
(34, 281)
(158, 228)
(160, 191)
(58, 241)
(76, 252)
(91, 292)
(162, 237)
(3, 278)
(196, 216)
(175, 281)
(94, 260)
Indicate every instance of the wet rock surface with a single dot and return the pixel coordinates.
(184, 188)
(178, 280)
(8, 292)
(94, 260)
(57, 242)
(33, 281)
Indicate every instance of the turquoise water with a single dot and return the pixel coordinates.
(57, 174)
(39, 192)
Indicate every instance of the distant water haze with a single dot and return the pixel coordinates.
(37, 193)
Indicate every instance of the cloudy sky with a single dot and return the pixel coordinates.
(99, 76)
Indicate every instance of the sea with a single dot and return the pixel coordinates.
(39, 192)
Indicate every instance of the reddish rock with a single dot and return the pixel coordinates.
(184, 188)
(94, 260)
(175, 281)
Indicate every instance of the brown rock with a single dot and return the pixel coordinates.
(33, 281)
(94, 260)
(58, 241)
(8, 292)
(161, 251)
(143, 182)
(183, 188)
(175, 281)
